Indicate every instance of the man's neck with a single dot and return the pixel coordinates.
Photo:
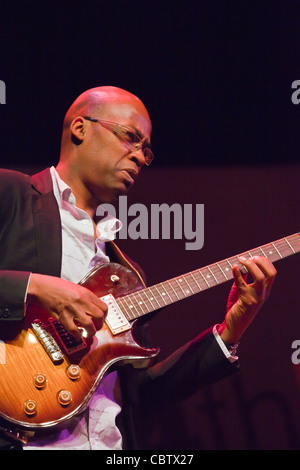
(84, 199)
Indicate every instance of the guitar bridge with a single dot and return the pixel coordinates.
(115, 319)
(47, 341)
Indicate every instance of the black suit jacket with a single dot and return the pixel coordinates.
(30, 241)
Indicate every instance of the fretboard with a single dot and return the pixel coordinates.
(165, 293)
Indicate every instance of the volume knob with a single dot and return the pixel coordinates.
(73, 372)
(64, 397)
(40, 380)
(30, 407)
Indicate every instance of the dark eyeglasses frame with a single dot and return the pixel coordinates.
(129, 139)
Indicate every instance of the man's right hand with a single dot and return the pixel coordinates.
(69, 303)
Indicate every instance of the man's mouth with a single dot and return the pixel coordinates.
(130, 174)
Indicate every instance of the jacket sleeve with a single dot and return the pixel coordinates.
(30, 237)
(13, 288)
(197, 364)
(13, 277)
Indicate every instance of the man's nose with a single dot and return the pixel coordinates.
(137, 155)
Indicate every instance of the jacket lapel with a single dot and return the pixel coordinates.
(48, 225)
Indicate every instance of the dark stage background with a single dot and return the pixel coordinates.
(217, 79)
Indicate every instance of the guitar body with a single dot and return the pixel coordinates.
(37, 392)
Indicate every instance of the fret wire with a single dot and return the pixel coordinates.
(176, 287)
(134, 303)
(162, 284)
(195, 280)
(165, 289)
(142, 293)
(161, 295)
(277, 250)
(225, 269)
(222, 271)
(263, 252)
(290, 245)
(148, 298)
(127, 313)
(182, 290)
(212, 274)
(188, 284)
(204, 278)
(284, 245)
(229, 263)
(154, 297)
(219, 273)
(285, 248)
(169, 283)
(139, 304)
(270, 253)
(131, 304)
(297, 240)
(146, 295)
(142, 302)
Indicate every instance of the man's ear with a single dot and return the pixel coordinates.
(78, 130)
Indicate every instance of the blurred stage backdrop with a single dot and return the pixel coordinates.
(217, 78)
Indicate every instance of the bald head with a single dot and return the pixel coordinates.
(98, 102)
(95, 101)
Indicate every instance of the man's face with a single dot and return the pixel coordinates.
(107, 168)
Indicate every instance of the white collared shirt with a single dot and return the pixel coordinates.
(80, 251)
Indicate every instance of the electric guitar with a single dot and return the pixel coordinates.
(47, 377)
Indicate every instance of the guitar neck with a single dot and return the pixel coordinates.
(168, 292)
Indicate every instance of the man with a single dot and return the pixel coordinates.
(50, 238)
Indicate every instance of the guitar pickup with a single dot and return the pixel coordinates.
(115, 319)
(68, 342)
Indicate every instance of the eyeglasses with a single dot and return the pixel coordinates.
(130, 140)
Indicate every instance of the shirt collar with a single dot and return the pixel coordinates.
(62, 191)
(107, 225)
